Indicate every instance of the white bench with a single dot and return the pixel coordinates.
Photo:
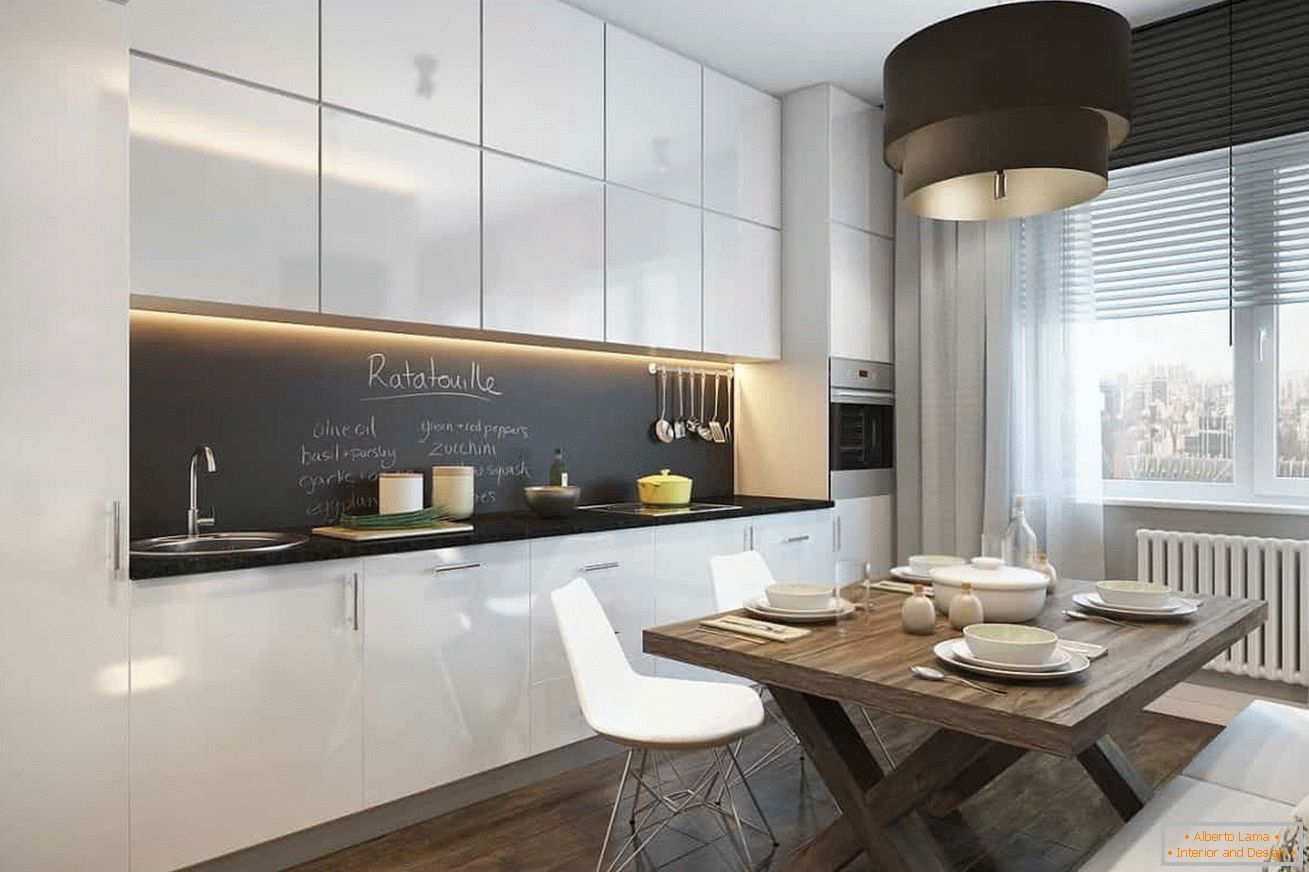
(1257, 769)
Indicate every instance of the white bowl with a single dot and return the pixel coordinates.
(1133, 594)
(799, 597)
(923, 564)
(1008, 594)
(1010, 643)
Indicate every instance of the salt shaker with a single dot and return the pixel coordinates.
(965, 608)
(918, 614)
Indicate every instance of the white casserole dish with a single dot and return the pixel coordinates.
(1009, 594)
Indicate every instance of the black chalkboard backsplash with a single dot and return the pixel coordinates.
(302, 419)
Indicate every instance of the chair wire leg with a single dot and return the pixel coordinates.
(636, 791)
(637, 843)
(725, 768)
(736, 764)
(877, 737)
(618, 798)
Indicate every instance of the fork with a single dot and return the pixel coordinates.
(1083, 616)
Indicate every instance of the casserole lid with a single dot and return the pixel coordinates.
(664, 477)
(988, 573)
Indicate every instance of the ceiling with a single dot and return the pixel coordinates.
(781, 45)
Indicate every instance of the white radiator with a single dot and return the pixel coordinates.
(1273, 570)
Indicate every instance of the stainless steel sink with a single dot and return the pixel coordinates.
(215, 544)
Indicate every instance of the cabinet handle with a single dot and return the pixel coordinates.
(455, 567)
(838, 534)
(597, 567)
(354, 602)
(788, 541)
(118, 538)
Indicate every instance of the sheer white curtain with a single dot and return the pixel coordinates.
(951, 281)
(995, 392)
(1054, 394)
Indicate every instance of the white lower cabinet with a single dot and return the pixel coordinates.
(445, 666)
(619, 565)
(245, 709)
(797, 546)
(864, 533)
(684, 587)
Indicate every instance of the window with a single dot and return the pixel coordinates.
(1197, 271)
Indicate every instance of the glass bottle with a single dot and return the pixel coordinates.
(1019, 541)
(559, 470)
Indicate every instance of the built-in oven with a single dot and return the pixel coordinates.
(862, 428)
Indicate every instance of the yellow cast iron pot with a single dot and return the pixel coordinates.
(664, 489)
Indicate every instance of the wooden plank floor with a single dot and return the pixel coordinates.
(1042, 815)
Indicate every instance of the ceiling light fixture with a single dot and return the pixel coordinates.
(1008, 111)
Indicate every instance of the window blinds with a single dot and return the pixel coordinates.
(1200, 231)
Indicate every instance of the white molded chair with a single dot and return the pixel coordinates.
(739, 578)
(649, 714)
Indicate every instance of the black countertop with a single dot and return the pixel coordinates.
(495, 527)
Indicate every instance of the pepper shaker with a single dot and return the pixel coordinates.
(918, 615)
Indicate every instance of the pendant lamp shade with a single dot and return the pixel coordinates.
(1008, 111)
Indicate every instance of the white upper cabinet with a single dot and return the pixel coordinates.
(413, 61)
(446, 677)
(272, 42)
(246, 709)
(862, 311)
(543, 88)
(543, 250)
(863, 186)
(742, 150)
(224, 190)
(652, 271)
(401, 213)
(742, 288)
(652, 118)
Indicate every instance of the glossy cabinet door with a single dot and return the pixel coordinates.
(413, 61)
(445, 666)
(619, 566)
(543, 250)
(652, 271)
(246, 709)
(863, 186)
(742, 288)
(864, 533)
(271, 42)
(224, 190)
(797, 546)
(543, 87)
(63, 398)
(742, 150)
(401, 215)
(652, 118)
(862, 309)
(684, 587)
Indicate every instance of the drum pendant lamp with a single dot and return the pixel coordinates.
(1008, 111)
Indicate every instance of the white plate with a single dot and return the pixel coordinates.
(944, 652)
(1170, 605)
(904, 573)
(1058, 660)
(1095, 604)
(761, 608)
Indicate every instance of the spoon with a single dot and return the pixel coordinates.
(679, 424)
(702, 430)
(663, 430)
(937, 675)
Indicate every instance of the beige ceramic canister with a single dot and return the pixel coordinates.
(399, 492)
(452, 490)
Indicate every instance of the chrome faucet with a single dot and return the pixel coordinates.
(193, 519)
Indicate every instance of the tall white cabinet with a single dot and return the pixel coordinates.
(64, 355)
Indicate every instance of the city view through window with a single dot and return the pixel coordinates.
(1167, 386)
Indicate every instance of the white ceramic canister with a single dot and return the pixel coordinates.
(452, 490)
(399, 492)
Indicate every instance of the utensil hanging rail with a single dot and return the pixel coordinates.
(656, 369)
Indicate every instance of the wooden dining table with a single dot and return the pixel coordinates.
(864, 660)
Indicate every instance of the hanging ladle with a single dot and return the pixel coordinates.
(663, 429)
